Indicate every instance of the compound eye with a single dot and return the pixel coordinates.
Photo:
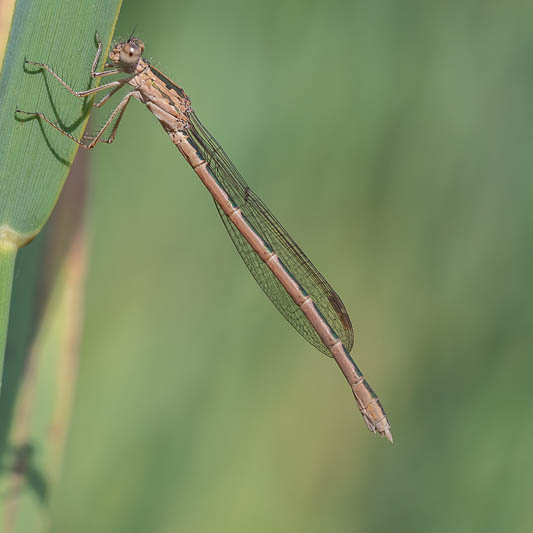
(130, 53)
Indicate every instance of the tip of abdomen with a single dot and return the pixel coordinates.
(387, 433)
(382, 427)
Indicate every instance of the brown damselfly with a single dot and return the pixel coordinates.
(276, 262)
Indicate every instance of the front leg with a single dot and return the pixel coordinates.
(94, 74)
(80, 94)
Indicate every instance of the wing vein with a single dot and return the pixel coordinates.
(272, 232)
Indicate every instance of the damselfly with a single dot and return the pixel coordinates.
(277, 263)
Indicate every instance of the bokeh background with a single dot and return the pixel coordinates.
(393, 140)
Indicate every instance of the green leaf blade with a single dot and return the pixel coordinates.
(34, 158)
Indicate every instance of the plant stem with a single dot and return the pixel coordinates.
(8, 252)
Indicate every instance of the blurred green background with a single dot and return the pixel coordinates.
(393, 140)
